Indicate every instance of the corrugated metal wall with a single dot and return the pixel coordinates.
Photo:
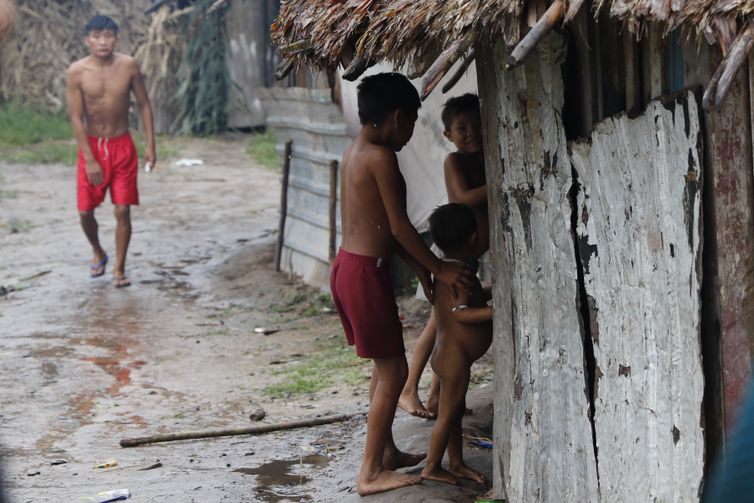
(315, 125)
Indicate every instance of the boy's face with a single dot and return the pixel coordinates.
(101, 43)
(404, 121)
(466, 132)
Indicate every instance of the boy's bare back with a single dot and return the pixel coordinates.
(366, 228)
(102, 92)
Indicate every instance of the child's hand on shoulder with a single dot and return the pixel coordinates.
(456, 276)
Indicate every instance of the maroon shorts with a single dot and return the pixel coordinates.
(120, 164)
(363, 294)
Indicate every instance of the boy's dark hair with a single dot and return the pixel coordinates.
(451, 225)
(458, 105)
(99, 23)
(381, 94)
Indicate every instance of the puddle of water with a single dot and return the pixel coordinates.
(277, 481)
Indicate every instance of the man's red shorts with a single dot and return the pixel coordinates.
(120, 165)
(363, 294)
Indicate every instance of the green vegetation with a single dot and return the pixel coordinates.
(203, 94)
(32, 136)
(331, 363)
(261, 148)
(21, 125)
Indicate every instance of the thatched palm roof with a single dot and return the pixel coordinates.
(405, 31)
(328, 33)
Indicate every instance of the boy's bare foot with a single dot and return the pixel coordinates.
(432, 404)
(466, 472)
(440, 475)
(397, 459)
(409, 401)
(386, 480)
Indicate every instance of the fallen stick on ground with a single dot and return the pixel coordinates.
(253, 430)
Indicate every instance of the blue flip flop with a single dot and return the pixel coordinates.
(97, 270)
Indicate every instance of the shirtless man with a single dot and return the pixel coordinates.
(99, 88)
(375, 226)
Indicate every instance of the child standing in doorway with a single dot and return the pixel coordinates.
(375, 226)
(466, 183)
(464, 333)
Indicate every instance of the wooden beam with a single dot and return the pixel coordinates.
(283, 202)
(296, 47)
(468, 58)
(284, 68)
(444, 62)
(333, 205)
(733, 61)
(358, 66)
(552, 15)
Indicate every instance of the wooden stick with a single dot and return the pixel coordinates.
(358, 65)
(443, 63)
(284, 69)
(295, 47)
(251, 430)
(709, 93)
(552, 15)
(333, 207)
(735, 57)
(468, 58)
(421, 67)
(283, 203)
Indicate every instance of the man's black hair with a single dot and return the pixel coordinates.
(381, 94)
(99, 23)
(451, 225)
(458, 105)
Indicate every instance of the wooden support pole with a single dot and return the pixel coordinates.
(333, 208)
(733, 61)
(284, 69)
(552, 15)
(444, 62)
(468, 58)
(296, 47)
(358, 66)
(252, 430)
(709, 93)
(283, 202)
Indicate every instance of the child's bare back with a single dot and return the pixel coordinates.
(464, 331)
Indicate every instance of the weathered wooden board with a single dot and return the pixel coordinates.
(543, 436)
(315, 124)
(639, 220)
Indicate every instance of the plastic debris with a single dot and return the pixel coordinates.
(189, 162)
(266, 331)
(148, 167)
(107, 496)
(107, 464)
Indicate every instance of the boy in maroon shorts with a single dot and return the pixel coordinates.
(99, 87)
(375, 226)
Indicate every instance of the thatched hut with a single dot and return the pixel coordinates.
(621, 213)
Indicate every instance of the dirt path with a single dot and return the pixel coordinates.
(84, 364)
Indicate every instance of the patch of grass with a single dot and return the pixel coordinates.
(261, 148)
(318, 305)
(22, 125)
(8, 194)
(17, 225)
(332, 361)
(44, 152)
(290, 301)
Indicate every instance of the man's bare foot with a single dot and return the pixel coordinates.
(466, 472)
(98, 264)
(440, 475)
(397, 459)
(409, 401)
(386, 480)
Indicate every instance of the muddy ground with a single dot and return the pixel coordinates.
(85, 365)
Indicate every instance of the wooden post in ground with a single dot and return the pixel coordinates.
(333, 208)
(283, 202)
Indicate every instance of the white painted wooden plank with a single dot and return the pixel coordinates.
(543, 435)
(639, 234)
